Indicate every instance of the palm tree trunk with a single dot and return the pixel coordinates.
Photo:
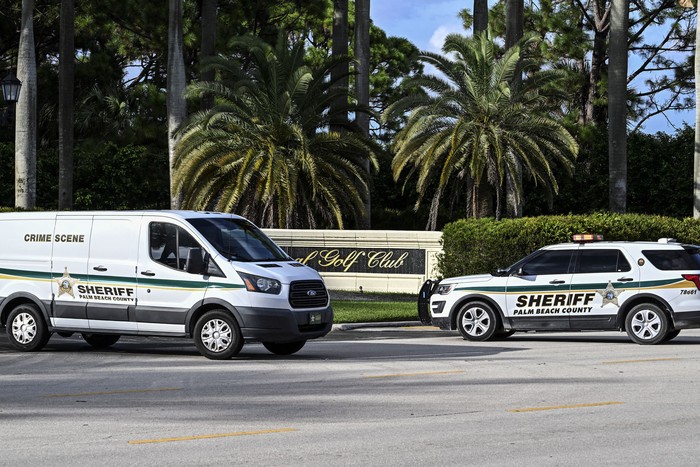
(617, 106)
(177, 107)
(515, 21)
(208, 45)
(481, 16)
(339, 118)
(26, 116)
(362, 20)
(696, 162)
(66, 68)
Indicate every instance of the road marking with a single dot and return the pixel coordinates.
(107, 393)
(573, 406)
(399, 375)
(641, 360)
(421, 328)
(219, 435)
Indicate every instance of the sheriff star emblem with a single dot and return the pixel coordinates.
(65, 284)
(610, 294)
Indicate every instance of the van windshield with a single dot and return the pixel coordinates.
(238, 239)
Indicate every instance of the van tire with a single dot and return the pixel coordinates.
(101, 341)
(287, 348)
(217, 335)
(26, 329)
(647, 324)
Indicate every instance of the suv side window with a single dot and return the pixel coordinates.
(674, 260)
(172, 246)
(590, 261)
(549, 262)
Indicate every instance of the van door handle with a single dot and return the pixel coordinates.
(625, 279)
(148, 273)
(100, 268)
(557, 281)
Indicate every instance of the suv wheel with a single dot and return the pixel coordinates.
(646, 324)
(477, 321)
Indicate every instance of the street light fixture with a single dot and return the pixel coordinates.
(10, 93)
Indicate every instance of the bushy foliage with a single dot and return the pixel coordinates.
(107, 176)
(474, 246)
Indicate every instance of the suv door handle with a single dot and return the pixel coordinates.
(557, 281)
(148, 273)
(625, 279)
(100, 268)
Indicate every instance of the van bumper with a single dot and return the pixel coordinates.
(279, 325)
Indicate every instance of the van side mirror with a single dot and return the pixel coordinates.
(195, 261)
(211, 267)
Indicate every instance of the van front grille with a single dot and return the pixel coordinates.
(308, 294)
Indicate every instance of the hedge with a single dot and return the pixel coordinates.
(477, 246)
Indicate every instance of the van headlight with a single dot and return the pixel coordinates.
(444, 289)
(260, 284)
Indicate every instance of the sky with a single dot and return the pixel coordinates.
(427, 22)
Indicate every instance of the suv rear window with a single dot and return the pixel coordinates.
(674, 260)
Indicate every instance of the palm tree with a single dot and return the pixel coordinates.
(468, 123)
(26, 115)
(617, 105)
(264, 149)
(340, 72)
(481, 16)
(362, 50)
(65, 105)
(177, 107)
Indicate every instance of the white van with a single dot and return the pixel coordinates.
(211, 276)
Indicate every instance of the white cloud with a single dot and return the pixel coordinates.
(438, 38)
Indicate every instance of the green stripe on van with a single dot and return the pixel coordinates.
(132, 281)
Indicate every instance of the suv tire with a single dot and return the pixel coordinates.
(477, 321)
(646, 323)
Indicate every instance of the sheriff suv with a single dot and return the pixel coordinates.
(648, 289)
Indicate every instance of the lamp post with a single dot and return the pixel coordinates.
(10, 93)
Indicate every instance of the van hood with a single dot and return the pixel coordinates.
(284, 271)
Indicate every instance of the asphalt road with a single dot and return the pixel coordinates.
(364, 397)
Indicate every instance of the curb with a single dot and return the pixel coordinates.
(388, 324)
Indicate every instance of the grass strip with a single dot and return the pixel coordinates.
(351, 311)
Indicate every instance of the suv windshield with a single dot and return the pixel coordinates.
(238, 239)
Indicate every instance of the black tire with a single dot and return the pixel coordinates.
(477, 321)
(503, 334)
(646, 324)
(672, 335)
(217, 335)
(287, 348)
(101, 341)
(26, 329)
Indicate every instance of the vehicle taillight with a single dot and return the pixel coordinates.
(694, 278)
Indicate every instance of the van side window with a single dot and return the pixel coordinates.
(174, 247)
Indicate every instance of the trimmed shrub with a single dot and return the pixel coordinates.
(476, 246)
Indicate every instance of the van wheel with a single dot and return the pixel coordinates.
(646, 323)
(101, 341)
(284, 349)
(477, 321)
(26, 328)
(217, 335)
